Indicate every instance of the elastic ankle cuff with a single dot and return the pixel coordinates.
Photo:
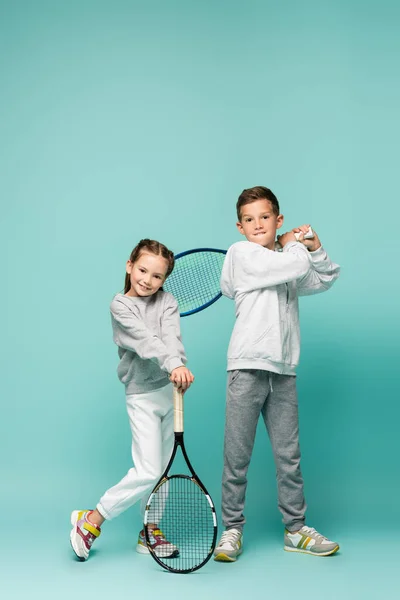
(103, 512)
(294, 527)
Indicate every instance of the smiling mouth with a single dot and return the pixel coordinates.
(144, 288)
(260, 233)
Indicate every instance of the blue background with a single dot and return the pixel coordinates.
(126, 119)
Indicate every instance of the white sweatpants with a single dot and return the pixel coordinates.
(151, 417)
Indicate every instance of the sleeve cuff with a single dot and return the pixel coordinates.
(293, 244)
(174, 363)
(318, 256)
(317, 252)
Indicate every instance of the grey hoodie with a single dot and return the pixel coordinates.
(265, 286)
(147, 333)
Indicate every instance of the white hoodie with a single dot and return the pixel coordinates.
(265, 286)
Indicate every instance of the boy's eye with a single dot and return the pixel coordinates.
(248, 220)
(266, 217)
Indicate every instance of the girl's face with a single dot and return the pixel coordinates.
(147, 274)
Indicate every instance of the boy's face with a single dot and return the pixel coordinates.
(259, 223)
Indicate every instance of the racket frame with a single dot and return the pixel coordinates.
(179, 443)
(218, 296)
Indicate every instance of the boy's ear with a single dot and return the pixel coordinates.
(129, 266)
(240, 228)
(279, 221)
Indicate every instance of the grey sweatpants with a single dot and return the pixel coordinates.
(249, 393)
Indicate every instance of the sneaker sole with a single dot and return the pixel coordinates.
(142, 549)
(72, 537)
(222, 557)
(80, 558)
(329, 553)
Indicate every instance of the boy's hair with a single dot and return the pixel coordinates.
(256, 193)
(153, 247)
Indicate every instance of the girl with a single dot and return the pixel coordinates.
(145, 322)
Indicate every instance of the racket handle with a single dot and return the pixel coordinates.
(307, 236)
(178, 411)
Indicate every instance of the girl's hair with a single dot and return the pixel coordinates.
(153, 247)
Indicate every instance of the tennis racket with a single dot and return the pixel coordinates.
(182, 509)
(195, 279)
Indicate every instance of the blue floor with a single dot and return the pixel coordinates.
(40, 564)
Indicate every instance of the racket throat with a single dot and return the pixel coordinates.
(179, 438)
(179, 441)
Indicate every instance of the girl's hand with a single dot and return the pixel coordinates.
(182, 378)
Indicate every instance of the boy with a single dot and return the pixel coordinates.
(262, 358)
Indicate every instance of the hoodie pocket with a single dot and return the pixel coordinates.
(261, 337)
(267, 345)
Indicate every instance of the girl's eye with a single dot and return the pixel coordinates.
(141, 270)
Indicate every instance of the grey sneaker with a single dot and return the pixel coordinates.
(308, 540)
(229, 546)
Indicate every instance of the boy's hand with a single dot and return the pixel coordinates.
(182, 378)
(287, 237)
(311, 244)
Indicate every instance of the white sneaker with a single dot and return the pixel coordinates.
(83, 533)
(161, 546)
(229, 546)
(309, 541)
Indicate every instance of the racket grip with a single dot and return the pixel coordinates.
(307, 236)
(178, 411)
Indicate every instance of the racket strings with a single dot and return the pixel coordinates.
(183, 513)
(195, 280)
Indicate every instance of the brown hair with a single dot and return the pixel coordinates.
(153, 247)
(256, 193)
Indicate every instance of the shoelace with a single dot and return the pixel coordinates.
(314, 532)
(230, 536)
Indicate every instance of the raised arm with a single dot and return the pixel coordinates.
(249, 266)
(321, 276)
(323, 272)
